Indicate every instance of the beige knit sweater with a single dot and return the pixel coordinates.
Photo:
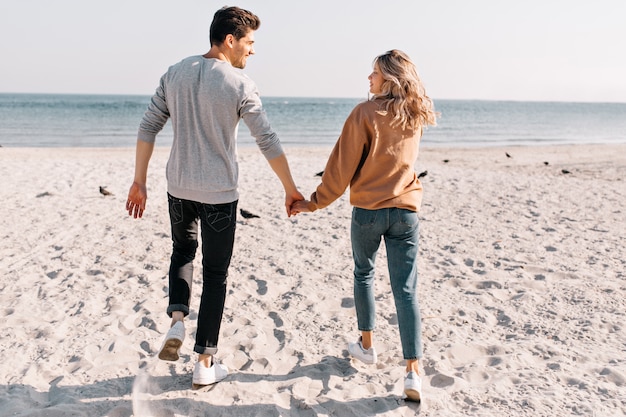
(375, 160)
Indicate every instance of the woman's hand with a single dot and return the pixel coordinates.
(301, 206)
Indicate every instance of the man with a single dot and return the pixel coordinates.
(205, 97)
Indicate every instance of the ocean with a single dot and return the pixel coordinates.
(57, 120)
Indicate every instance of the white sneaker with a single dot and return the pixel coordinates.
(173, 342)
(357, 351)
(207, 376)
(412, 387)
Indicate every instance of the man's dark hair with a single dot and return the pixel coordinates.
(232, 21)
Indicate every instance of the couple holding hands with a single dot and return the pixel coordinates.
(206, 96)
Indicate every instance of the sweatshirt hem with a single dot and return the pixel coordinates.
(201, 196)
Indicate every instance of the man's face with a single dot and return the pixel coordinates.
(242, 49)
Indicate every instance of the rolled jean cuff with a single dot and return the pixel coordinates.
(177, 307)
(203, 350)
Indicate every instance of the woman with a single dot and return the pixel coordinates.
(375, 156)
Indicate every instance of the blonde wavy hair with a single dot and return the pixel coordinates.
(403, 92)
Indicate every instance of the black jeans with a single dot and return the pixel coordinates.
(217, 225)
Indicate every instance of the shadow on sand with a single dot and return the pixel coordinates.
(146, 395)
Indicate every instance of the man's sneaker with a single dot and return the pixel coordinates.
(207, 376)
(412, 387)
(364, 355)
(173, 342)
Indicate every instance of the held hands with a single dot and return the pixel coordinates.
(300, 206)
(136, 203)
(290, 200)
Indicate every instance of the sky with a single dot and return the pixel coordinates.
(535, 50)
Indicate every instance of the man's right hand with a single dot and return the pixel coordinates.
(136, 203)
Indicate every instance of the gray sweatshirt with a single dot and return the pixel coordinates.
(206, 98)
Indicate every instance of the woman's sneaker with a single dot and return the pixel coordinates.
(207, 376)
(412, 387)
(357, 351)
(173, 342)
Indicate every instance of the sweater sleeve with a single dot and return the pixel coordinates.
(156, 115)
(254, 116)
(343, 162)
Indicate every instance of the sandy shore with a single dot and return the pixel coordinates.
(522, 289)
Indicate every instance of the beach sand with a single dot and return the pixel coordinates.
(521, 288)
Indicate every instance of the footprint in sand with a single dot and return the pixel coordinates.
(262, 290)
(347, 302)
(278, 322)
(261, 285)
(441, 381)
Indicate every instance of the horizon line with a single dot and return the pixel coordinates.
(334, 97)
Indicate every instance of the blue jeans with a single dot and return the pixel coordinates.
(400, 229)
(217, 225)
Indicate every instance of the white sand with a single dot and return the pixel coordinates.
(522, 288)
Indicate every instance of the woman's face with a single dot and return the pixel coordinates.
(376, 80)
